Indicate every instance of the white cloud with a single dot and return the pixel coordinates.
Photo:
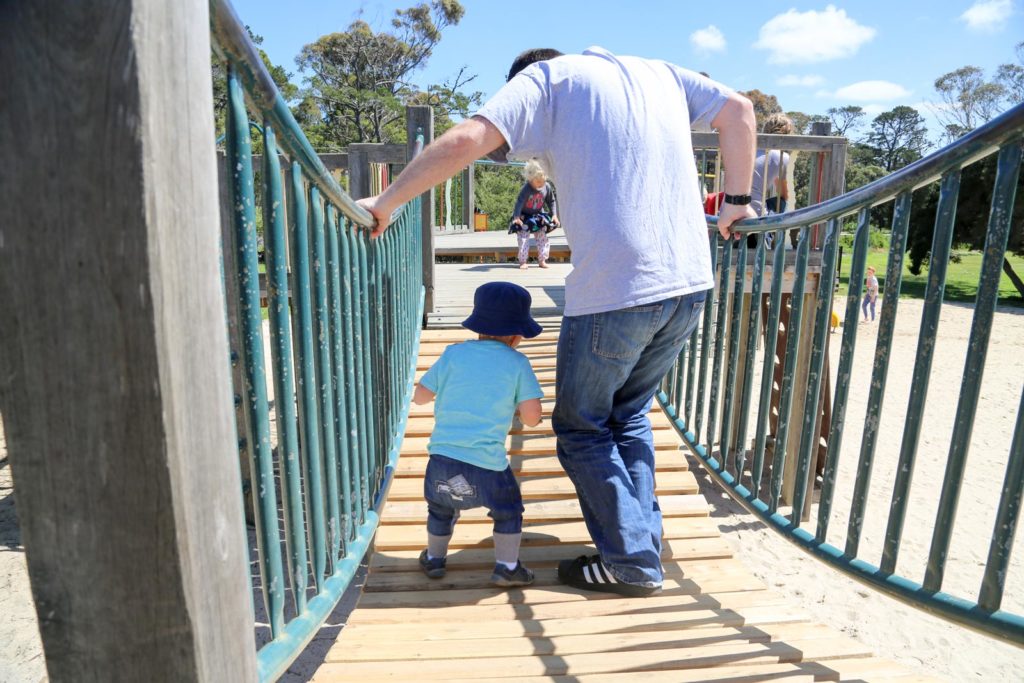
(805, 37)
(875, 109)
(866, 91)
(707, 40)
(808, 81)
(987, 15)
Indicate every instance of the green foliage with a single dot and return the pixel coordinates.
(359, 81)
(961, 279)
(764, 105)
(220, 85)
(845, 120)
(898, 137)
(877, 239)
(495, 192)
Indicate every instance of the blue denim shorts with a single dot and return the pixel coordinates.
(452, 485)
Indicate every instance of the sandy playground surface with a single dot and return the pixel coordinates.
(890, 628)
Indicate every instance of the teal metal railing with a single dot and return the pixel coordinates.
(344, 314)
(710, 392)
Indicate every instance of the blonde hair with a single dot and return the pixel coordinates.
(779, 124)
(534, 170)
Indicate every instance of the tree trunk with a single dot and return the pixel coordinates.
(1014, 278)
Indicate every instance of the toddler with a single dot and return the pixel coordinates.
(479, 385)
(870, 294)
(529, 218)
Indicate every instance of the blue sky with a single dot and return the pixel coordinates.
(811, 55)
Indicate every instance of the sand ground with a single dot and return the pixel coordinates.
(889, 627)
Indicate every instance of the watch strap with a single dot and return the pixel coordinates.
(740, 199)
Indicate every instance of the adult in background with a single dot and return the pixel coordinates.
(614, 133)
(769, 189)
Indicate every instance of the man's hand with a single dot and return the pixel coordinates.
(731, 213)
(378, 211)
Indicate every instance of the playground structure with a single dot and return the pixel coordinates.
(117, 396)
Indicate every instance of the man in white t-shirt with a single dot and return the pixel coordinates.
(614, 134)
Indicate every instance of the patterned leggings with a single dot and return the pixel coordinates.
(543, 246)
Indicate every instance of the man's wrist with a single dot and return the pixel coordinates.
(737, 199)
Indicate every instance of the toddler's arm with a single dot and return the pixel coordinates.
(530, 412)
(422, 395)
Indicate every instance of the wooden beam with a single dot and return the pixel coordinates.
(358, 172)
(113, 353)
(788, 143)
(420, 120)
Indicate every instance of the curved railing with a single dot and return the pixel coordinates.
(344, 315)
(711, 386)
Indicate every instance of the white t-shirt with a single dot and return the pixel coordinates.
(777, 163)
(614, 134)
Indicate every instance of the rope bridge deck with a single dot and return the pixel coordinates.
(714, 621)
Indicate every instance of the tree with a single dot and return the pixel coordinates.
(802, 122)
(359, 78)
(495, 191)
(967, 100)
(845, 119)
(220, 83)
(898, 137)
(764, 105)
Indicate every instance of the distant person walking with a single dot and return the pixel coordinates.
(614, 132)
(870, 294)
(535, 214)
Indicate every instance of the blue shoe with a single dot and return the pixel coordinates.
(503, 577)
(433, 568)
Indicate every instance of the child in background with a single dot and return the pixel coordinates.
(870, 294)
(479, 385)
(529, 219)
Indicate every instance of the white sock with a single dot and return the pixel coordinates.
(511, 566)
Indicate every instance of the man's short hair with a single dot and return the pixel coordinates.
(525, 59)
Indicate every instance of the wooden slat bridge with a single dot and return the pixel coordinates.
(714, 621)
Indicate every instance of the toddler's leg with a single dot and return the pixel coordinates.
(864, 306)
(543, 248)
(524, 246)
(505, 504)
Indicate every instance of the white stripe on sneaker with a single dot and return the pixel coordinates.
(611, 578)
(595, 568)
(586, 573)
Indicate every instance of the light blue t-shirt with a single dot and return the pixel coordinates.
(614, 133)
(478, 385)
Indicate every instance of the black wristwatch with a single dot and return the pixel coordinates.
(740, 199)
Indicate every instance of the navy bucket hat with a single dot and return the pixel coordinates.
(502, 309)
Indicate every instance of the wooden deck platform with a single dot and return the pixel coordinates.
(714, 621)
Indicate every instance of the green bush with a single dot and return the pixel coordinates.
(877, 239)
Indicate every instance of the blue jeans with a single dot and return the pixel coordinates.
(452, 485)
(868, 301)
(609, 366)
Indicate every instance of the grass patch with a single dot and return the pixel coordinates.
(961, 278)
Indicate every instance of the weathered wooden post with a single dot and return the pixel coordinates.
(468, 198)
(114, 374)
(358, 172)
(419, 120)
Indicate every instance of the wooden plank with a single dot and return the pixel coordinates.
(665, 604)
(547, 406)
(672, 657)
(654, 620)
(552, 487)
(542, 445)
(113, 345)
(409, 512)
(536, 556)
(776, 673)
(423, 425)
(715, 576)
(415, 464)
(383, 650)
(412, 537)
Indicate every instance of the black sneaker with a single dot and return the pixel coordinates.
(504, 577)
(434, 568)
(589, 573)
